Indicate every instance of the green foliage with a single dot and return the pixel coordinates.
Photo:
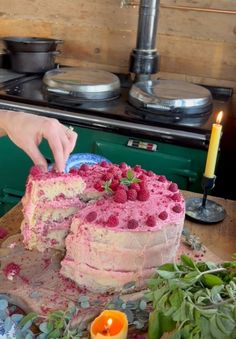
(193, 300)
(129, 179)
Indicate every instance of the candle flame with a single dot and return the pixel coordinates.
(219, 117)
(109, 322)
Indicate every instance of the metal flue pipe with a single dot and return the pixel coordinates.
(144, 58)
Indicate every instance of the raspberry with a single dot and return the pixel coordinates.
(123, 165)
(122, 187)
(135, 187)
(143, 185)
(112, 221)
(82, 173)
(107, 176)
(137, 168)
(141, 177)
(176, 197)
(150, 173)
(132, 224)
(84, 167)
(3, 232)
(120, 196)
(98, 186)
(163, 215)
(104, 164)
(35, 171)
(151, 221)
(143, 195)
(114, 184)
(60, 196)
(91, 216)
(73, 171)
(173, 187)
(162, 178)
(177, 208)
(124, 174)
(132, 194)
(11, 269)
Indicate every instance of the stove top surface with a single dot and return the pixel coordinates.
(30, 90)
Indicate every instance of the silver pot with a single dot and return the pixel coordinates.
(30, 44)
(33, 62)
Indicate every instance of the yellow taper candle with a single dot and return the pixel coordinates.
(213, 147)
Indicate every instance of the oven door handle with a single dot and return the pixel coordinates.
(191, 175)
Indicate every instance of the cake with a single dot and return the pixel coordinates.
(116, 224)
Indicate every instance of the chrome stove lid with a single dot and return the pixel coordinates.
(82, 83)
(170, 96)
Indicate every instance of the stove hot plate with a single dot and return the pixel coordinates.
(172, 99)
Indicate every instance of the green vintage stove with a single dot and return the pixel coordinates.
(116, 119)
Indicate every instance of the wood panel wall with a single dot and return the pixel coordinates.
(196, 38)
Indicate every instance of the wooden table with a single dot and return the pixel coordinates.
(219, 238)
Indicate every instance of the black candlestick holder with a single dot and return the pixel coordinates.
(202, 209)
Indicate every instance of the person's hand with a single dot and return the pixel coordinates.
(28, 130)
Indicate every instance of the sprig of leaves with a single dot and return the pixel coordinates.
(106, 186)
(129, 179)
(193, 300)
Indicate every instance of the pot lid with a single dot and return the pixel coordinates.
(169, 95)
(82, 83)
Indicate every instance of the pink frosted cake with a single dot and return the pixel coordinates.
(122, 223)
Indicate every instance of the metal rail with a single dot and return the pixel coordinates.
(200, 9)
(167, 134)
(135, 3)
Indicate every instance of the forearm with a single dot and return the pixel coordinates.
(3, 122)
(6, 118)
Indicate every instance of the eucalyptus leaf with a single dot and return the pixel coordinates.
(143, 305)
(8, 323)
(83, 298)
(85, 304)
(3, 304)
(17, 317)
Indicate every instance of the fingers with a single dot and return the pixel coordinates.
(61, 141)
(56, 146)
(69, 142)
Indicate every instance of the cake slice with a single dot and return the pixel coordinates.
(51, 199)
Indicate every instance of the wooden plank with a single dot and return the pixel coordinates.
(207, 26)
(101, 34)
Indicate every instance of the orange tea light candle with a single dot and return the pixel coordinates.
(213, 147)
(110, 323)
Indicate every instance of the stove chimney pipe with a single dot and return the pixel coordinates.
(144, 59)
